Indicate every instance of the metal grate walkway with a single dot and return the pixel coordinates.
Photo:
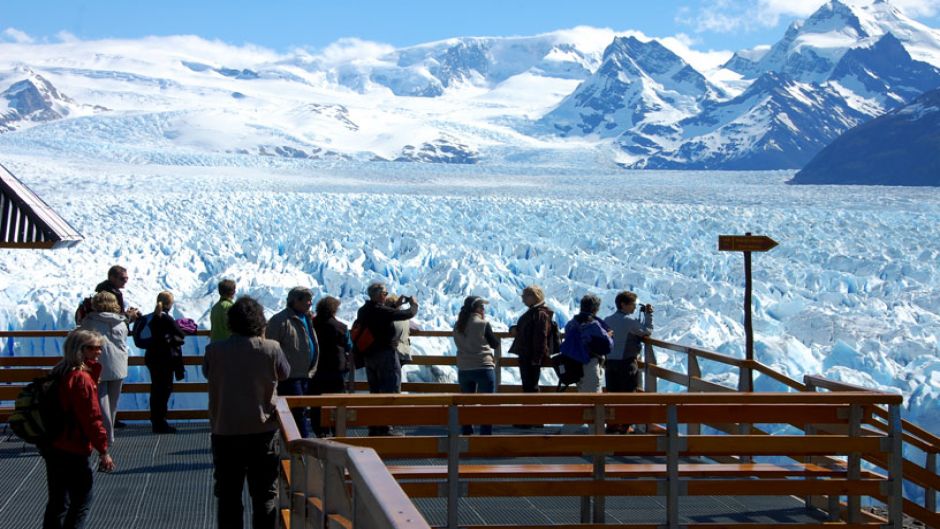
(165, 481)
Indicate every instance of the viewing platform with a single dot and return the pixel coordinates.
(701, 458)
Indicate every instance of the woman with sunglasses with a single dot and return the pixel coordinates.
(68, 473)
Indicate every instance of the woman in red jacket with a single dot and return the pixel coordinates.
(68, 473)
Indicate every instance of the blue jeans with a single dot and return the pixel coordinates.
(69, 479)
(296, 386)
(477, 381)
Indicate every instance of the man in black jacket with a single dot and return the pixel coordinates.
(383, 369)
(117, 279)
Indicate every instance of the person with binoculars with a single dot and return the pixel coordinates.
(622, 372)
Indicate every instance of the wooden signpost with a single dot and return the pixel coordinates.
(746, 243)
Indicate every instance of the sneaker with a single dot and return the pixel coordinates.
(120, 424)
(392, 432)
(164, 429)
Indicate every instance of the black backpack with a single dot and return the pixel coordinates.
(38, 417)
(143, 336)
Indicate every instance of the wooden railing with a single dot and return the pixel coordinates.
(604, 475)
(16, 371)
(324, 484)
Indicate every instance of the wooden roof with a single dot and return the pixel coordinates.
(26, 221)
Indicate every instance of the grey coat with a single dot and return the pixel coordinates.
(114, 350)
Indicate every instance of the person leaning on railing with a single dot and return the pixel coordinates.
(476, 344)
(243, 372)
(333, 366)
(68, 474)
(532, 338)
(623, 371)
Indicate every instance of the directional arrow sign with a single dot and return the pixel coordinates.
(745, 243)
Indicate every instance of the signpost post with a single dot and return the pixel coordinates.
(746, 243)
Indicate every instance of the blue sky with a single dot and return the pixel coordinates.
(282, 25)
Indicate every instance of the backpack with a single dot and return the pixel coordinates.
(569, 370)
(38, 418)
(84, 309)
(143, 336)
(362, 337)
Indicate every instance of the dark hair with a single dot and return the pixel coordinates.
(116, 270)
(227, 288)
(590, 304)
(624, 297)
(470, 304)
(327, 307)
(299, 294)
(246, 317)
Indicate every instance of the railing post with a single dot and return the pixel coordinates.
(694, 372)
(672, 466)
(298, 492)
(930, 495)
(600, 462)
(649, 358)
(895, 468)
(855, 464)
(453, 465)
(745, 379)
(339, 421)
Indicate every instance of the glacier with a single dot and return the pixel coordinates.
(851, 293)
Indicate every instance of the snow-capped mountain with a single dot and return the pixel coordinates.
(30, 98)
(428, 70)
(637, 83)
(776, 122)
(570, 95)
(811, 49)
(843, 65)
(899, 148)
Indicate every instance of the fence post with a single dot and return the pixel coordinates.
(298, 492)
(600, 462)
(855, 464)
(672, 466)
(453, 468)
(895, 468)
(649, 358)
(694, 372)
(930, 495)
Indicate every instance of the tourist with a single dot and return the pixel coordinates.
(68, 474)
(588, 340)
(476, 345)
(623, 372)
(333, 366)
(532, 337)
(117, 280)
(218, 316)
(243, 373)
(292, 328)
(107, 321)
(383, 367)
(401, 341)
(163, 341)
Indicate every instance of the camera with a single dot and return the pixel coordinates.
(644, 308)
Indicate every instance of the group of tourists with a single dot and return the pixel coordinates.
(299, 351)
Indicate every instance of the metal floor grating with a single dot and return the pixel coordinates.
(165, 482)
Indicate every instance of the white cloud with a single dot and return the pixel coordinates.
(352, 49)
(918, 8)
(66, 38)
(703, 61)
(17, 36)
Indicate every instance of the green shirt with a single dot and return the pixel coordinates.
(218, 318)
